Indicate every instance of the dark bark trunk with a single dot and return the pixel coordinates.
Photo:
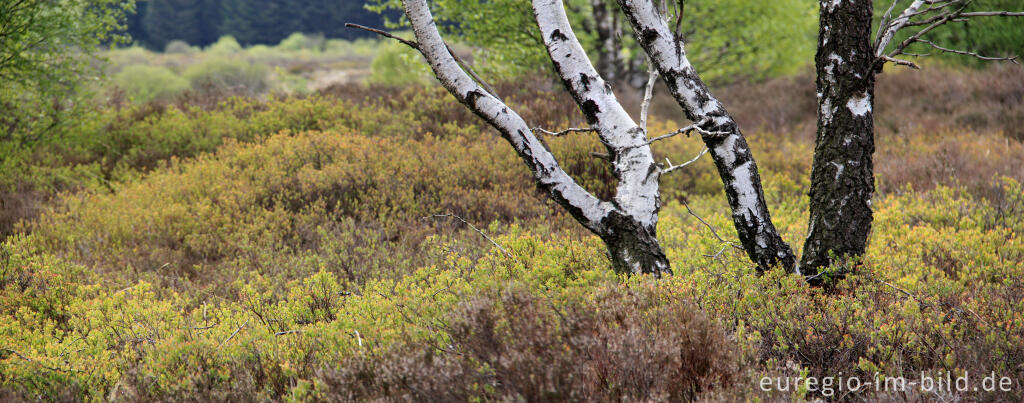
(634, 246)
(842, 181)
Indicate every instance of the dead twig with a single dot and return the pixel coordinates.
(489, 239)
(232, 335)
(671, 167)
(563, 132)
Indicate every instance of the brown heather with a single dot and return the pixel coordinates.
(232, 249)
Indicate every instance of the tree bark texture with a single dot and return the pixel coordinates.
(842, 180)
(627, 224)
(720, 133)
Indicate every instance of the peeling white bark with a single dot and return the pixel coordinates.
(859, 105)
(732, 157)
(586, 208)
(637, 192)
(628, 223)
(898, 23)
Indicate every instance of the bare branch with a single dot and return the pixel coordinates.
(492, 241)
(900, 62)
(887, 31)
(465, 66)
(26, 358)
(416, 46)
(883, 25)
(563, 132)
(992, 14)
(652, 78)
(917, 36)
(671, 167)
(712, 229)
(385, 34)
(968, 53)
(232, 335)
(688, 129)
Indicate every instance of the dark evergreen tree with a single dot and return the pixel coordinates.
(261, 21)
(168, 20)
(209, 21)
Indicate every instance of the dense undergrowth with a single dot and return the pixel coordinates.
(289, 249)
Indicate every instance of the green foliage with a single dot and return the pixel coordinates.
(172, 20)
(397, 65)
(726, 40)
(224, 46)
(283, 250)
(989, 36)
(223, 74)
(149, 83)
(739, 40)
(47, 58)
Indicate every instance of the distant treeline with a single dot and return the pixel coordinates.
(202, 22)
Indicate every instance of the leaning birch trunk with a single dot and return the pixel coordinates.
(842, 181)
(627, 225)
(720, 133)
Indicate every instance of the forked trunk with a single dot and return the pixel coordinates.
(633, 246)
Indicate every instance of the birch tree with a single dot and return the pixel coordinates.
(628, 223)
(842, 181)
(848, 59)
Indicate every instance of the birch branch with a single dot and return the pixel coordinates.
(549, 176)
(671, 167)
(563, 132)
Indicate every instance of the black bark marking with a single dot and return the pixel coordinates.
(590, 108)
(472, 96)
(648, 36)
(585, 82)
(557, 35)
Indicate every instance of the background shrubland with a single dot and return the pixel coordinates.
(286, 247)
(241, 213)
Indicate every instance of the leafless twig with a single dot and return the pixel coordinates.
(492, 241)
(671, 167)
(966, 53)
(411, 44)
(232, 335)
(564, 132)
(901, 62)
(26, 358)
(645, 106)
(416, 46)
(713, 232)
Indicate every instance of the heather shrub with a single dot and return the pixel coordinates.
(517, 345)
(286, 249)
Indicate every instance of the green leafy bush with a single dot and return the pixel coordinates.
(287, 250)
(397, 65)
(228, 75)
(226, 45)
(150, 83)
